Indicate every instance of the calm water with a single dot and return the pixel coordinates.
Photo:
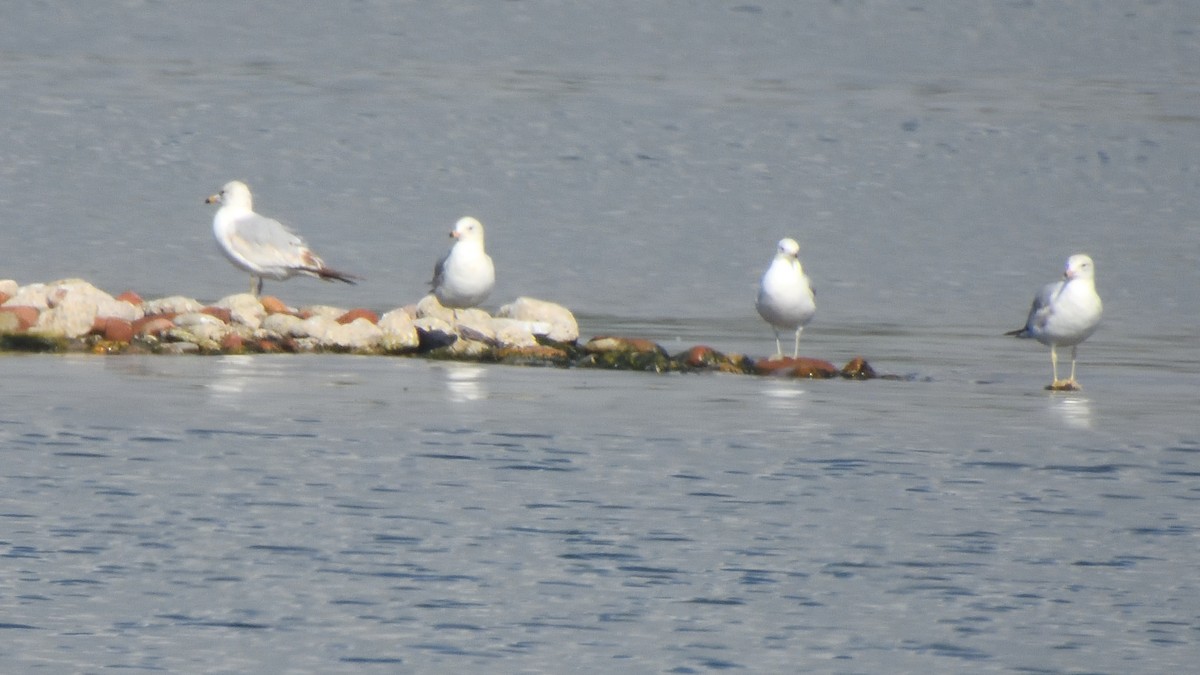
(636, 162)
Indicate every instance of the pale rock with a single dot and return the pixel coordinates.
(464, 345)
(557, 321)
(119, 309)
(69, 317)
(433, 324)
(81, 292)
(398, 329)
(30, 295)
(283, 325)
(9, 323)
(244, 308)
(245, 332)
(210, 332)
(430, 307)
(323, 310)
(469, 348)
(190, 320)
(475, 327)
(175, 304)
(358, 334)
(514, 333)
(316, 327)
(9, 286)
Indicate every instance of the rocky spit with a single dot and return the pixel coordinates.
(72, 315)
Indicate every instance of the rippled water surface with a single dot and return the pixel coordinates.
(636, 162)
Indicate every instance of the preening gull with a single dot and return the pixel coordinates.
(465, 275)
(1064, 314)
(262, 246)
(785, 298)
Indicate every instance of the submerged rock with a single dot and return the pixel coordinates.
(707, 358)
(802, 367)
(620, 353)
(33, 342)
(858, 369)
(534, 355)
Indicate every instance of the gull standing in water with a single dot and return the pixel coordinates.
(262, 246)
(785, 298)
(465, 275)
(1064, 314)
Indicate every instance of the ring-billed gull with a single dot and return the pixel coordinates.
(465, 275)
(785, 298)
(1064, 314)
(262, 246)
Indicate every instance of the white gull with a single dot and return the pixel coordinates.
(262, 246)
(465, 275)
(1064, 314)
(785, 298)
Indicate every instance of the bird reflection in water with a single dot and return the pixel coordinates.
(783, 394)
(1075, 412)
(466, 383)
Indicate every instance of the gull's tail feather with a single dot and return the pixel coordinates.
(1022, 332)
(329, 274)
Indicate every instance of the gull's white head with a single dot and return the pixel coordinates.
(235, 193)
(788, 247)
(1080, 266)
(468, 229)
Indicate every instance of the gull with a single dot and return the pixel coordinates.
(1064, 314)
(785, 298)
(465, 275)
(262, 246)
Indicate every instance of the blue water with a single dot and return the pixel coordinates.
(636, 162)
(321, 513)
